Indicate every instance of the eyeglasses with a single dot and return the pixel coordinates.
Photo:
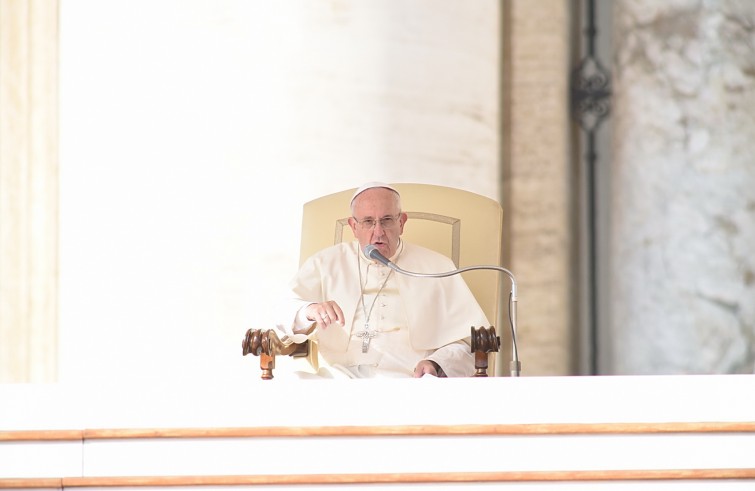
(386, 222)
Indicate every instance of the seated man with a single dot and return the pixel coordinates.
(371, 321)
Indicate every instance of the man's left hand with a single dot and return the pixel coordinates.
(427, 367)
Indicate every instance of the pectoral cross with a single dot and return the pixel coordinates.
(366, 336)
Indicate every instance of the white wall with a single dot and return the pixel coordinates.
(192, 131)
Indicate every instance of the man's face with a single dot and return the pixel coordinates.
(378, 220)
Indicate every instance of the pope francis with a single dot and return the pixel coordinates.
(369, 321)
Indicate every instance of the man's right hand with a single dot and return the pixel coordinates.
(325, 313)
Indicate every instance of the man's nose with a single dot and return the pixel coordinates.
(378, 225)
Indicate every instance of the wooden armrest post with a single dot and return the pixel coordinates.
(266, 344)
(480, 364)
(267, 364)
(260, 343)
(484, 341)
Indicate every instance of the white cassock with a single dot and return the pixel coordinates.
(392, 321)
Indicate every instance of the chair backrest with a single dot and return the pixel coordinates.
(464, 226)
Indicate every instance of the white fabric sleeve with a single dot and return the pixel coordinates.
(301, 321)
(456, 359)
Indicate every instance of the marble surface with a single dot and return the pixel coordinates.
(249, 401)
(683, 208)
(207, 404)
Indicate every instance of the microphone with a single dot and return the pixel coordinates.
(373, 253)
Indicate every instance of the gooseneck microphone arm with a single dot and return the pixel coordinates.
(373, 253)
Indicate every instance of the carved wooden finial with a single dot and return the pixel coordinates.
(266, 344)
(484, 341)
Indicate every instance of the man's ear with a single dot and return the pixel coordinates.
(353, 225)
(402, 220)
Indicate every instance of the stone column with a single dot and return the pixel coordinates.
(683, 210)
(28, 190)
(538, 192)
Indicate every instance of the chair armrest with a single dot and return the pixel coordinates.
(266, 344)
(483, 341)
